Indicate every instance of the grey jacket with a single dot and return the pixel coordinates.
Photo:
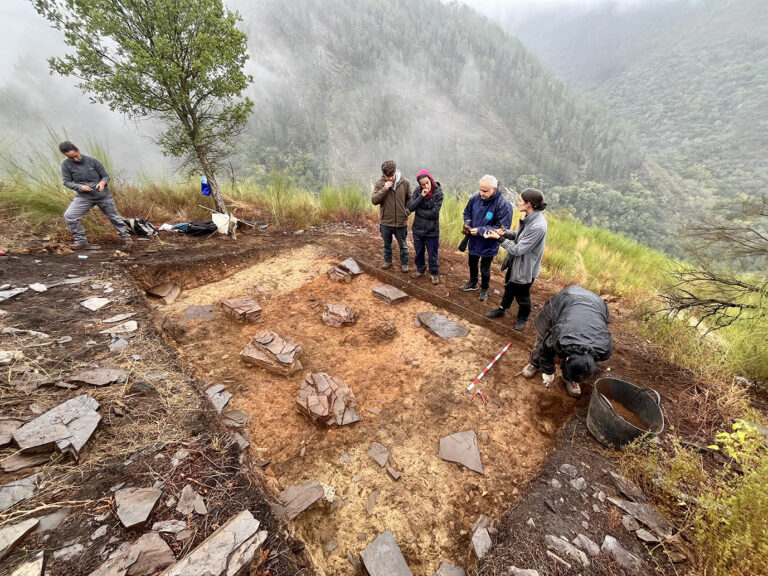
(89, 172)
(525, 249)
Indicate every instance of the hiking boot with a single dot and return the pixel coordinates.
(483, 295)
(572, 388)
(520, 324)
(529, 371)
(84, 246)
(418, 275)
(469, 286)
(404, 268)
(386, 266)
(497, 313)
(435, 279)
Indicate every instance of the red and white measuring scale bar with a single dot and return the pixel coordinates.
(484, 372)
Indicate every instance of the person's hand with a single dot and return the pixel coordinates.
(85, 188)
(100, 186)
(473, 231)
(424, 192)
(547, 379)
(465, 229)
(388, 184)
(492, 234)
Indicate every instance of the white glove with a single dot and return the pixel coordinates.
(547, 379)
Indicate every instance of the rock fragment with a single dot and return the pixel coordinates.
(390, 294)
(383, 557)
(193, 314)
(226, 552)
(9, 356)
(623, 557)
(447, 569)
(338, 315)
(567, 549)
(351, 266)
(234, 419)
(586, 544)
(11, 292)
(12, 534)
(169, 526)
(628, 488)
(296, 499)
(515, 571)
(440, 325)
(647, 515)
(379, 453)
(134, 505)
(646, 536)
(94, 304)
(7, 427)
(219, 396)
(481, 542)
(99, 376)
(337, 274)
(190, 501)
(167, 292)
(269, 351)
(327, 400)
(461, 447)
(147, 555)
(124, 328)
(32, 567)
(67, 427)
(119, 318)
(242, 309)
(569, 470)
(21, 461)
(37, 287)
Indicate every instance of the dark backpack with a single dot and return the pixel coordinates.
(140, 227)
(202, 228)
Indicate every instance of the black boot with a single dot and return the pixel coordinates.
(520, 324)
(497, 313)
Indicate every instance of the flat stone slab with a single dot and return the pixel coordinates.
(296, 499)
(628, 488)
(567, 550)
(440, 325)
(242, 308)
(12, 534)
(11, 292)
(338, 315)
(10, 356)
(481, 542)
(379, 453)
(390, 294)
(31, 381)
(351, 266)
(234, 419)
(99, 376)
(647, 515)
(448, 569)
(337, 274)
(626, 559)
(384, 558)
(586, 544)
(147, 555)
(119, 318)
(226, 552)
(96, 303)
(33, 567)
(7, 427)
(273, 353)
(327, 400)
(166, 291)
(169, 526)
(462, 447)
(21, 461)
(124, 328)
(219, 397)
(67, 427)
(134, 505)
(205, 313)
(190, 501)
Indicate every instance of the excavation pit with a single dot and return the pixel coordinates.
(409, 385)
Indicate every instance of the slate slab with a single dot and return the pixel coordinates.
(270, 351)
(337, 274)
(647, 515)
(481, 542)
(586, 544)
(194, 314)
(379, 453)
(11, 292)
(32, 567)
(351, 266)
(124, 328)
(390, 294)
(462, 447)
(628, 488)
(119, 318)
(327, 400)
(147, 555)
(12, 534)
(338, 315)
(296, 499)
(96, 303)
(67, 427)
(7, 427)
(99, 376)
(440, 325)
(384, 558)
(9, 356)
(242, 308)
(21, 461)
(226, 552)
(169, 526)
(448, 569)
(134, 505)
(190, 501)
(234, 419)
(629, 561)
(166, 291)
(219, 397)
(567, 550)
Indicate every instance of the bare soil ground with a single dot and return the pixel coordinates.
(413, 381)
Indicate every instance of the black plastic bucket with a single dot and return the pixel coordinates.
(609, 427)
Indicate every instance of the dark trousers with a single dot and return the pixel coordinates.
(400, 233)
(485, 270)
(431, 244)
(521, 293)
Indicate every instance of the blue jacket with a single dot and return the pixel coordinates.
(485, 215)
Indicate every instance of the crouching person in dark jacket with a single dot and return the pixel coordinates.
(425, 204)
(573, 325)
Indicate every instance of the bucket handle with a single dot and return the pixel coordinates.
(654, 393)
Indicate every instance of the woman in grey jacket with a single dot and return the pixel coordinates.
(525, 248)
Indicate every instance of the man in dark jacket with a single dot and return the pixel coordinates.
(391, 194)
(426, 203)
(486, 210)
(87, 177)
(573, 325)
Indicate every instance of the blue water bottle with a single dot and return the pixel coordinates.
(204, 187)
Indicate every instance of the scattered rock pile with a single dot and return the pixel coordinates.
(338, 315)
(269, 351)
(242, 309)
(327, 400)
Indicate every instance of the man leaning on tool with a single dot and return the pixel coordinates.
(391, 194)
(572, 325)
(486, 210)
(87, 177)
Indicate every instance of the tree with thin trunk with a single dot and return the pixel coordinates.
(725, 281)
(177, 61)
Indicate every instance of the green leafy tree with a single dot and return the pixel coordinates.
(178, 61)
